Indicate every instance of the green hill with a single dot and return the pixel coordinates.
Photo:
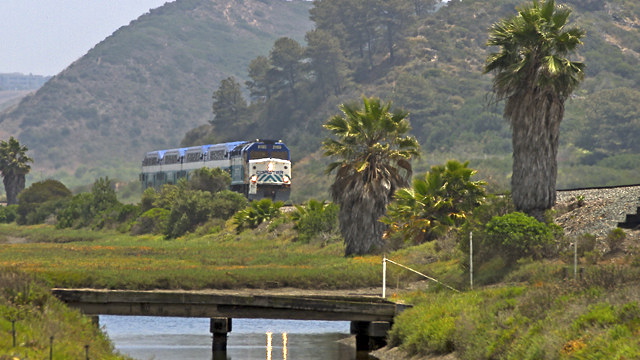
(146, 85)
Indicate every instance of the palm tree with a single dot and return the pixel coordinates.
(13, 167)
(435, 203)
(535, 78)
(373, 153)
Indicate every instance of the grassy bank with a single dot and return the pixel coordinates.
(80, 258)
(535, 317)
(35, 325)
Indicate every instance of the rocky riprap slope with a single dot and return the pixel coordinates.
(597, 211)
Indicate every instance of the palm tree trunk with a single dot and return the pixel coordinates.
(536, 126)
(13, 184)
(361, 207)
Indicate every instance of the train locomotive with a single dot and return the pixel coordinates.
(259, 169)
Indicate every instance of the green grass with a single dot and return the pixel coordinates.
(44, 325)
(81, 258)
(535, 320)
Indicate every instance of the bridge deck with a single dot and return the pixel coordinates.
(212, 305)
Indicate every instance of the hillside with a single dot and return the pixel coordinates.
(147, 84)
(150, 86)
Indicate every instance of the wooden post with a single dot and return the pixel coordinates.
(220, 327)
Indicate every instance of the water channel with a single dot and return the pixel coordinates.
(162, 338)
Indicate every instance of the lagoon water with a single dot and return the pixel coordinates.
(161, 338)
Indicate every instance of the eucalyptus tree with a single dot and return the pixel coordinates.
(373, 153)
(14, 166)
(534, 77)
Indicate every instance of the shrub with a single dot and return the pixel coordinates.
(104, 195)
(40, 200)
(212, 180)
(315, 218)
(189, 210)
(166, 197)
(225, 203)
(8, 214)
(120, 217)
(153, 221)
(76, 212)
(615, 239)
(148, 198)
(516, 235)
(258, 212)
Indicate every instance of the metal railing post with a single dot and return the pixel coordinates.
(384, 277)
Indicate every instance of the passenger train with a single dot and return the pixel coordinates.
(259, 169)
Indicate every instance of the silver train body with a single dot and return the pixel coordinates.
(259, 169)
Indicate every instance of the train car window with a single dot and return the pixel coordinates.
(193, 157)
(170, 159)
(150, 161)
(216, 155)
(284, 155)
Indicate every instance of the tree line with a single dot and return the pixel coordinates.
(373, 154)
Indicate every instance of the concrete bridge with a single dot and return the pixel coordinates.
(371, 317)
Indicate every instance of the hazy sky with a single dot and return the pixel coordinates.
(42, 37)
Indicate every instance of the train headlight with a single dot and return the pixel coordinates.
(286, 180)
(270, 166)
(254, 179)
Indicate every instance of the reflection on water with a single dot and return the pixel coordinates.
(158, 338)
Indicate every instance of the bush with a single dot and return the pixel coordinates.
(8, 214)
(153, 221)
(76, 212)
(212, 180)
(226, 203)
(189, 210)
(516, 235)
(258, 212)
(40, 200)
(615, 239)
(315, 219)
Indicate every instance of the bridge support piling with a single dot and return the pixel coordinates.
(220, 328)
(370, 335)
(95, 320)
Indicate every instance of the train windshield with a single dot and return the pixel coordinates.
(281, 154)
(259, 154)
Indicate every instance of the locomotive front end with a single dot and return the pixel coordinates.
(269, 178)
